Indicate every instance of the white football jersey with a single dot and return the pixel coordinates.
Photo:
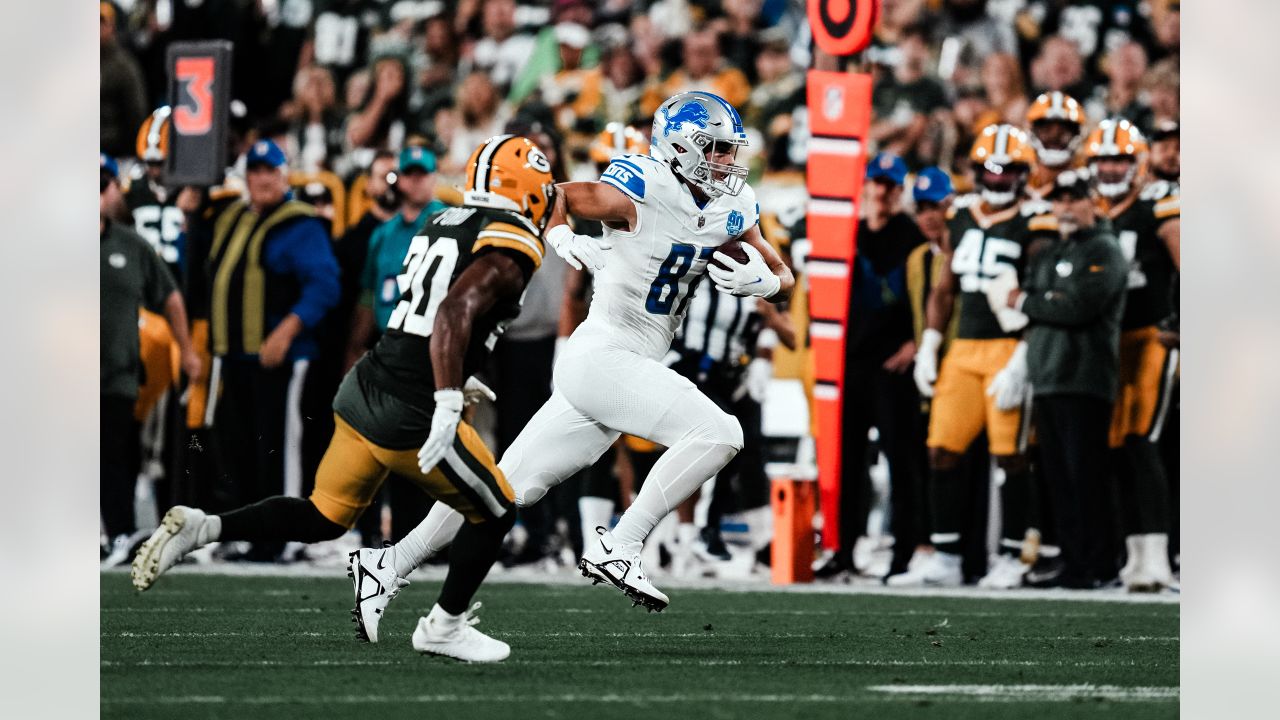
(640, 296)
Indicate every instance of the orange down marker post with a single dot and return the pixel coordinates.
(793, 505)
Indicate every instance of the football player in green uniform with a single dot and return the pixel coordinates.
(400, 408)
(1147, 221)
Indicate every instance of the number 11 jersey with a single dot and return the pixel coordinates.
(641, 295)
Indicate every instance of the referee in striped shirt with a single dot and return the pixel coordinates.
(725, 346)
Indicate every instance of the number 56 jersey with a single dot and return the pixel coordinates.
(641, 294)
(983, 245)
(388, 395)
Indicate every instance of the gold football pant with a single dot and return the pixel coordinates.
(961, 407)
(353, 468)
(1148, 372)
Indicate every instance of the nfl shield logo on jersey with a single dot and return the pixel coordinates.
(734, 226)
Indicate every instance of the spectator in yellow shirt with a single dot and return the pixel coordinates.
(704, 69)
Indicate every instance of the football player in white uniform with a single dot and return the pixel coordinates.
(665, 214)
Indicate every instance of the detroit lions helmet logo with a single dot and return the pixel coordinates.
(690, 112)
(734, 226)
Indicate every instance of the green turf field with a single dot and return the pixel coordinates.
(208, 646)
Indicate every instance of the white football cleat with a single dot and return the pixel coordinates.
(941, 569)
(1133, 563)
(1153, 572)
(376, 583)
(440, 633)
(1006, 573)
(178, 534)
(604, 560)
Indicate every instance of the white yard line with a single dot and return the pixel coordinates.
(565, 578)
(638, 662)
(986, 693)
(486, 698)
(706, 634)
(1032, 693)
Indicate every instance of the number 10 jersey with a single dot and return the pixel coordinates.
(641, 295)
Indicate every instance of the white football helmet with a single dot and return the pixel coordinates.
(691, 126)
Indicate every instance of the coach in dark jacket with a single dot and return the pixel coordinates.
(1073, 298)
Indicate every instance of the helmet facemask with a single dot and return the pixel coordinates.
(1001, 184)
(718, 178)
(1111, 183)
(1055, 141)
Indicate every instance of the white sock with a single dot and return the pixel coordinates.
(431, 536)
(595, 512)
(439, 616)
(686, 534)
(210, 530)
(678, 473)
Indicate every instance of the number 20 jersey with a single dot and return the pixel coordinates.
(982, 246)
(400, 362)
(641, 295)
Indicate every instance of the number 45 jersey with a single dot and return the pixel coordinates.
(642, 293)
(388, 394)
(983, 245)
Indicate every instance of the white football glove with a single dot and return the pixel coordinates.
(1009, 386)
(745, 279)
(444, 427)
(578, 250)
(925, 372)
(998, 289)
(473, 391)
(759, 373)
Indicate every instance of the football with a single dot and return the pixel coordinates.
(733, 249)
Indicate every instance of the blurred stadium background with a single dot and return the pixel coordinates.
(344, 86)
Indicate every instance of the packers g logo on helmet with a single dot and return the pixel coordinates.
(510, 172)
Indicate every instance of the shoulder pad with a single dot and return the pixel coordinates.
(1031, 208)
(627, 173)
(961, 202)
(1157, 190)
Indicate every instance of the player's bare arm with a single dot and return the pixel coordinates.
(492, 277)
(595, 200)
(589, 201)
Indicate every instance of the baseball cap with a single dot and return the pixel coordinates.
(418, 157)
(107, 164)
(1164, 130)
(1070, 184)
(887, 166)
(932, 184)
(265, 152)
(573, 35)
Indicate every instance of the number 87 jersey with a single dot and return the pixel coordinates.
(641, 294)
(983, 245)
